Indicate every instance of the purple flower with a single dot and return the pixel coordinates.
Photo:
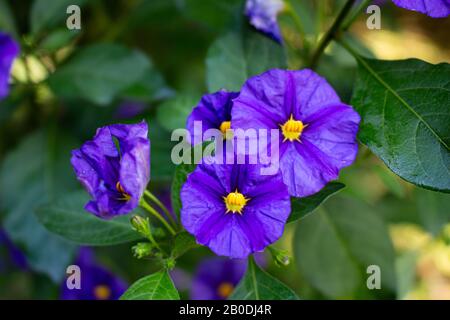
(114, 168)
(262, 15)
(13, 256)
(432, 8)
(233, 209)
(129, 109)
(318, 131)
(214, 112)
(216, 278)
(97, 283)
(9, 49)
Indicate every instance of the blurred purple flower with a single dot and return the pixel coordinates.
(318, 131)
(9, 50)
(216, 278)
(262, 15)
(97, 283)
(432, 8)
(114, 168)
(214, 112)
(13, 256)
(233, 209)
(129, 109)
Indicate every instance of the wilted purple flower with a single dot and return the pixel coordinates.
(97, 283)
(9, 49)
(233, 209)
(262, 15)
(318, 131)
(214, 112)
(216, 278)
(432, 8)
(11, 256)
(114, 168)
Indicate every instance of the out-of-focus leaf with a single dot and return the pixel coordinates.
(301, 207)
(173, 113)
(37, 172)
(180, 176)
(67, 218)
(58, 39)
(259, 285)
(157, 286)
(406, 273)
(47, 13)
(99, 73)
(232, 59)
(162, 167)
(7, 23)
(183, 242)
(433, 209)
(334, 246)
(404, 106)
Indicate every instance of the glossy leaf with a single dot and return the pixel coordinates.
(404, 106)
(67, 218)
(259, 285)
(301, 207)
(157, 286)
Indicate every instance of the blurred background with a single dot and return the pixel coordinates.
(153, 60)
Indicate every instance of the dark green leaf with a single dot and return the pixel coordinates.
(162, 167)
(301, 207)
(58, 39)
(37, 172)
(334, 246)
(7, 23)
(67, 218)
(231, 60)
(183, 243)
(157, 286)
(99, 73)
(149, 88)
(433, 210)
(405, 118)
(259, 285)
(173, 113)
(47, 13)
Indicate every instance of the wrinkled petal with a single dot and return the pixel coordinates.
(262, 15)
(9, 50)
(432, 8)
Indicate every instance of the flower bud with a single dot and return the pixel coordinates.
(281, 257)
(141, 225)
(142, 249)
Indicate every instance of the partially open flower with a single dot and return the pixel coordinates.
(432, 8)
(262, 15)
(9, 50)
(114, 168)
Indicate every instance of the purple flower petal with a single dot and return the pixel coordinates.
(432, 8)
(9, 50)
(262, 15)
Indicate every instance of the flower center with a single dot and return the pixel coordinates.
(102, 292)
(225, 289)
(235, 202)
(225, 127)
(124, 195)
(292, 129)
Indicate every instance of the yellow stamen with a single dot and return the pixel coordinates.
(225, 289)
(102, 292)
(225, 128)
(235, 202)
(124, 194)
(292, 129)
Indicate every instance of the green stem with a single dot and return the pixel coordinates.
(155, 213)
(331, 33)
(152, 240)
(347, 24)
(152, 197)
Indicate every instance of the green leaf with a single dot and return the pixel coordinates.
(259, 285)
(405, 118)
(150, 88)
(173, 113)
(334, 246)
(157, 286)
(58, 39)
(37, 172)
(7, 23)
(99, 73)
(433, 210)
(232, 59)
(184, 242)
(180, 176)
(161, 166)
(301, 207)
(67, 218)
(48, 13)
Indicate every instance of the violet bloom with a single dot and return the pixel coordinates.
(214, 112)
(233, 209)
(10, 256)
(216, 278)
(9, 49)
(97, 283)
(432, 8)
(114, 168)
(262, 15)
(317, 131)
